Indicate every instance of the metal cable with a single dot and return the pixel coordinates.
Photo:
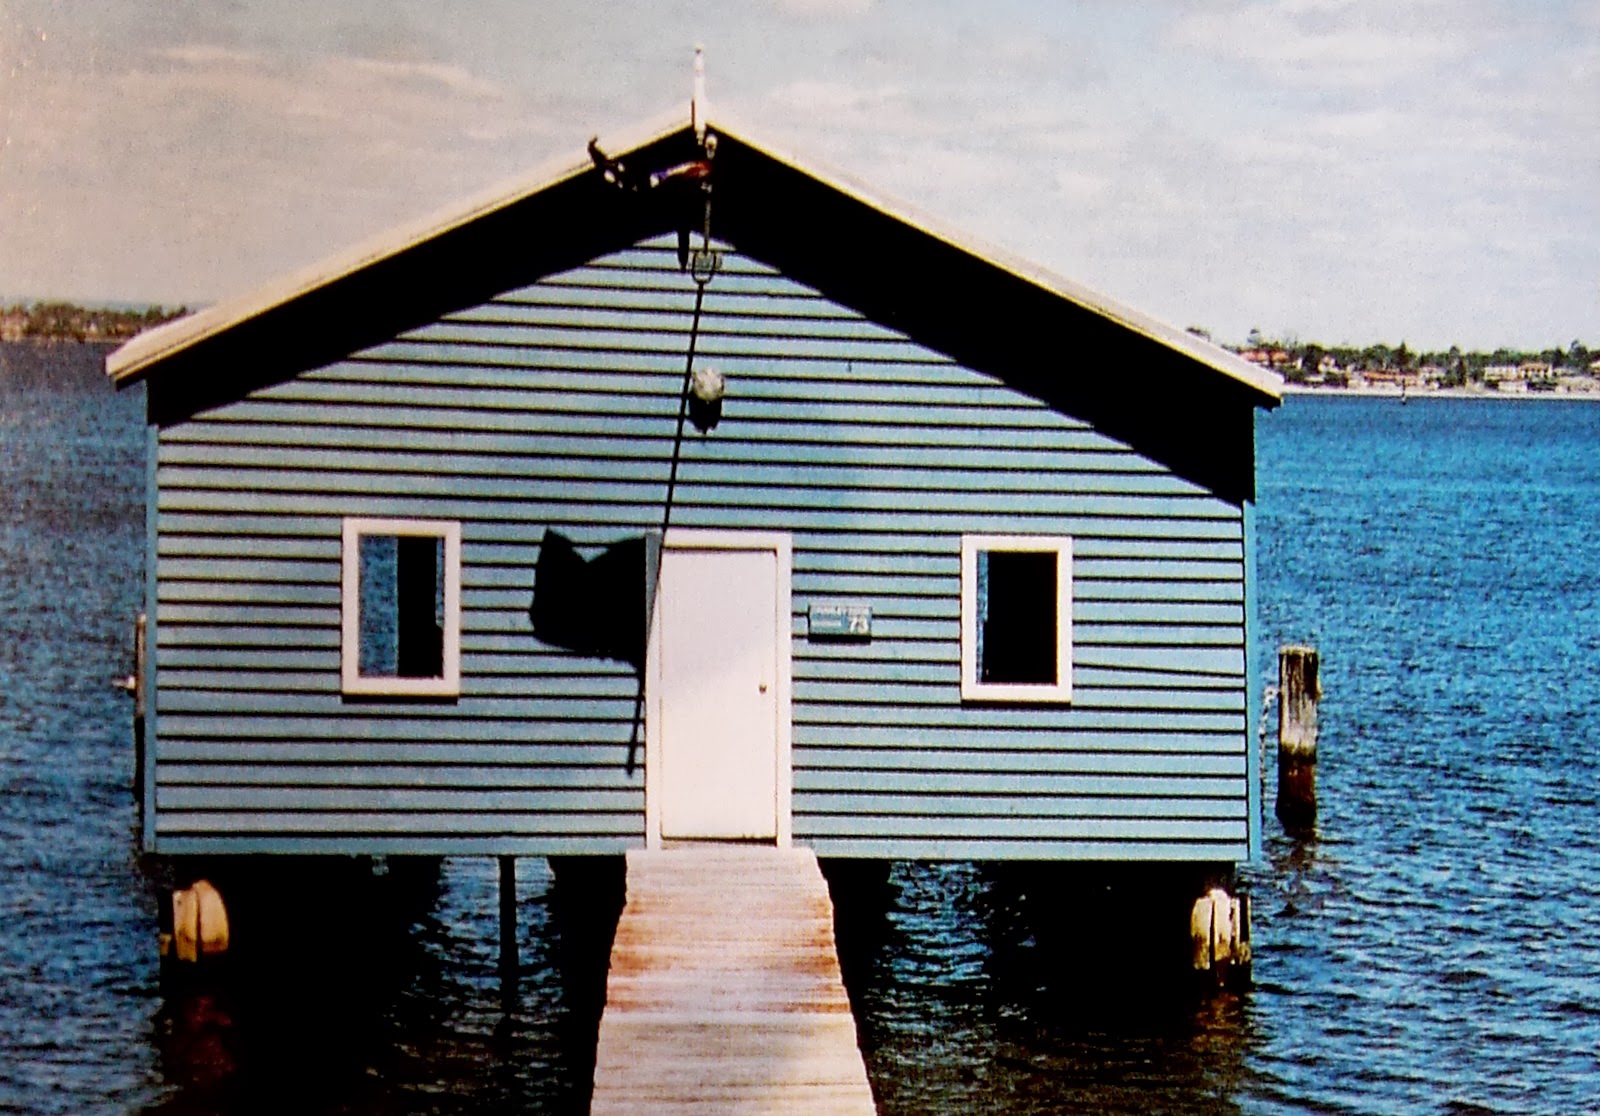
(666, 510)
(683, 403)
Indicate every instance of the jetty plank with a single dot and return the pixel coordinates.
(724, 993)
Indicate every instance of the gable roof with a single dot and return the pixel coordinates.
(136, 358)
(1075, 348)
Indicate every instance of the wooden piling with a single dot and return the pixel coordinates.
(1219, 933)
(134, 686)
(199, 924)
(1299, 690)
(508, 915)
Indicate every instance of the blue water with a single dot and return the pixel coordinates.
(75, 968)
(1439, 948)
(1436, 948)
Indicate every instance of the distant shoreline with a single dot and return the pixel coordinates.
(1388, 391)
(1589, 392)
(65, 321)
(103, 342)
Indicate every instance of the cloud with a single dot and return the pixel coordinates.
(840, 101)
(824, 7)
(210, 55)
(1326, 43)
(1365, 125)
(453, 79)
(231, 166)
(1080, 188)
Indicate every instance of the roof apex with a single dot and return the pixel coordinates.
(137, 357)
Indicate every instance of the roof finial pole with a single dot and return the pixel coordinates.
(697, 106)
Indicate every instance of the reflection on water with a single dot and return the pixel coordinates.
(983, 988)
(346, 991)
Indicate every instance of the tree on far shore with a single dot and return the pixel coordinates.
(1456, 368)
(65, 321)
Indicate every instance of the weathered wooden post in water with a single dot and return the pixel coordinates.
(133, 685)
(1299, 690)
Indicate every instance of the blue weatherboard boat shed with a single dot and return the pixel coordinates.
(688, 491)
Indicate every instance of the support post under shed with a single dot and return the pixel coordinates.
(508, 916)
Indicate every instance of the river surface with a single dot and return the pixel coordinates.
(1436, 947)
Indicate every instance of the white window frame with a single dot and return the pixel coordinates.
(353, 681)
(971, 688)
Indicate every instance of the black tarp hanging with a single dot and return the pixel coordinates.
(598, 606)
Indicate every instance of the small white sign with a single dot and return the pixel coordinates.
(840, 621)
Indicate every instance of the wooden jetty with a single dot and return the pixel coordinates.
(724, 994)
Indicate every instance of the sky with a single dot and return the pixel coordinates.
(1340, 171)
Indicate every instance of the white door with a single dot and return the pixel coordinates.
(720, 688)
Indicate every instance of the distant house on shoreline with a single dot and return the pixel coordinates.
(1268, 358)
(1391, 377)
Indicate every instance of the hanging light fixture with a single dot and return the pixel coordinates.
(706, 388)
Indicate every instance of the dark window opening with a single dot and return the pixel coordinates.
(1017, 617)
(402, 606)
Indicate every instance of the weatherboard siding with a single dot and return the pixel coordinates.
(554, 406)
